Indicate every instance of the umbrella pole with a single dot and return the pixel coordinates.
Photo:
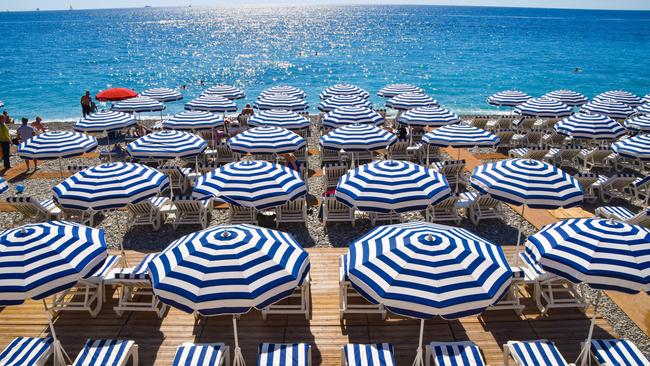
(428, 155)
(60, 167)
(583, 357)
(124, 261)
(60, 357)
(108, 141)
(419, 359)
(238, 359)
(521, 226)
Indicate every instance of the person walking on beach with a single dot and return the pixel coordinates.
(5, 142)
(26, 132)
(86, 103)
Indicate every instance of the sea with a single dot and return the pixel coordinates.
(459, 55)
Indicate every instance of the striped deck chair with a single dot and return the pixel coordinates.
(533, 353)
(114, 352)
(88, 294)
(482, 207)
(531, 152)
(380, 354)
(293, 211)
(148, 212)
(202, 354)
(614, 186)
(445, 210)
(335, 211)
(27, 351)
(594, 158)
(35, 211)
(586, 181)
(451, 169)
(241, 215)
(333, 172)
(619, 213)
(287, 354)
(134, 288)
(640, 189)
(454, 354)
(350, 301)
(617, 352)
(189, 211)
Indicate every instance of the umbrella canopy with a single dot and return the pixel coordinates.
(543, 107)
(139, 105)
(392, 186)
(193, 120)
(344, 89)
(211, 103)
(460, 136)
(279, 118)
(568, 97)
(104, 122)
(115, 94)
(3, 185)
(167, 145)
(639, 123)
(109, 186)
(225, 91)
(429, 117)
(55, 145)
(609, 108)
(620, 96)
(393, 90)
(358, 138)
(643, 109)
(266, 140)
(352, 115)
(637, 147)
(408, 101)
(508, 98)
(162, 94)
(257, 184)
(40, 260)
(590, 127)
(283, 90)
(281, 101)
(340, 101)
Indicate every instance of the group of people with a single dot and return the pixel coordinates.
(23, 133)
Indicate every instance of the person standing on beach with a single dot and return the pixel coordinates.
(86, 103)
(26, 132)
(5, 142)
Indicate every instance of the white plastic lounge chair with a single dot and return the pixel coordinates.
(445, 210)
(451, 169)
(295, 211)
(594, 158)
(454, 354)
(33, 210)
(389, 217)
(564, 156)
(380, 354)
(114, 352)
(614, 186)
(88, 294)
(202, 354)
(27, 351)
(533, 353)
(330, 156)
(640, 189)
(242, 215)
(148, 212)
(134, 289)
(334, 172)
(290, 305)
(617, 352)
(532, 152)
(619, 213)
(335, 211)
(482, 207)
(189, 211)
(284, 354)
(350, 301)
(178, 176)
(586, 181)
(399, 151)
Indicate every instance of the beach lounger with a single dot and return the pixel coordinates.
(479, 122)
(241, 215)
(640, 189)
(451, 169)
(72, 169)
(614, 186)
(202, 354)
(444, 211)
(498, 123)
(594, 158)
(400, 151)
(205, 168)
(114, 352)
(271, 158)
(586, 181)
(35, 211)
(531, 152)
(565, 156)
(427, 153)
(528, 137)
(554, 139)
(482, 207)
(178, 177)
(298, 303)
(84, 217)
(330, 156)
(505, 136)
(148, 212)
(533, 353)
(350, 301)
(294, 211)
(454, 354)
(301, 155)
(335, 211)
(223, 154)
(284, 354)
(617, 352)
(380, 354)
(524, 124)
(189, 211)
(333, 172)
(622, 214)
(27, 351)
(389, 217)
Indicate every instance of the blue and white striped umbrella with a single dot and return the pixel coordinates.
(167, 145)
(279, 118)
(281, 101)
(527, 182)
(543, 107)
(637, 147)
(646, 99)
(193, 120)
(225, 91)
(344, 89)
(341, 101)
(257, 184)
(568, 97)
(3, 185)
(108, 186)
(162, 94)
(406, 101)
(429, 117)
(56, 145)
(211, 103)
(139, 105)
(620, 96)
(105, 121)
(266, 140)
(283, 90)
(393, 90)
(460, 136)
(392, 186)
(590, 126)
(352, 115)
(40, 260)
(508, 98)
(643, 109)
(358, 138)
(609, 108)
(639, 123)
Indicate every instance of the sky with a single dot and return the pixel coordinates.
(79, 4)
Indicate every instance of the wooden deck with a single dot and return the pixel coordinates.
(158, 339)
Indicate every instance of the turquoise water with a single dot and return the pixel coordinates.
(458, 54)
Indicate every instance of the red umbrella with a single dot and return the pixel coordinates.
(115, 94)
